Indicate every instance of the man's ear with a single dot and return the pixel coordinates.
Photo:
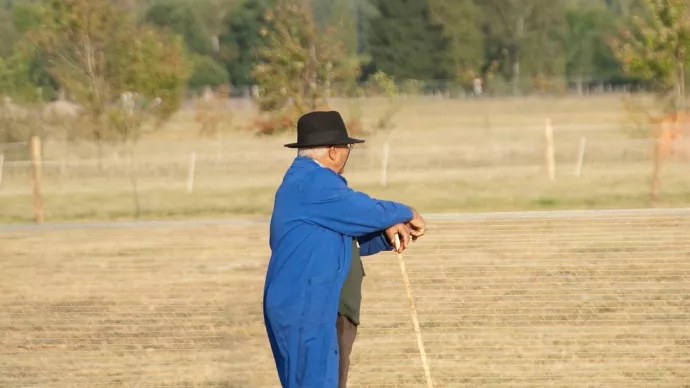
(332, 153)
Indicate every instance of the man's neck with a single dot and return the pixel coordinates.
(322, 165)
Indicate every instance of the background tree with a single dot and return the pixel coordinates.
(406, 42)
(15, 21)
(97, 52)
(206, 72)
(78, 38)
(519, 32)
(299, 66)
(199, 25)
(16, 78)
(240, 39)
(588, 57)
(213, 13)
(460, 21)
(656, 45)
(18, 93)
(7, 31)
(182, 18)
(655, 48)
(352, 15)
(154, 66)
(625, 8)
(199, 22)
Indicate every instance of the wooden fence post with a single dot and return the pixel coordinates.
(550, 153)
(2, 162)
(656, 173)
(36, 164)
(191, 172)
(580, 156)
(384, 164)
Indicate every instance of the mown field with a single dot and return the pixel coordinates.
(445, 155)
(560, 299)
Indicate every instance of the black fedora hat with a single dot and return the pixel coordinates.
(318, 129)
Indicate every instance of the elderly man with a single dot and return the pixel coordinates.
(317, 224)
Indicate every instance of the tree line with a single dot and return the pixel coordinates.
(513, 42)
(302, 51)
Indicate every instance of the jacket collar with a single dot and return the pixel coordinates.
(306, 162)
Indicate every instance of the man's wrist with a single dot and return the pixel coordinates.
(415, 214)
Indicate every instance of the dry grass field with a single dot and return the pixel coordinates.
(445, 155)
(554, 299)
(557, 299)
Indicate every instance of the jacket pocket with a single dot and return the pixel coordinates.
(321, 306)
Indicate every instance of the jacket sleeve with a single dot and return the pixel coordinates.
(374, 243)
(328, 201)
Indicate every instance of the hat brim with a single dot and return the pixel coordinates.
(350, 140)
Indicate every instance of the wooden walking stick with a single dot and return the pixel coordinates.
(413, 312)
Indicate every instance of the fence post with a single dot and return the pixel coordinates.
(656, 173)
(384, 163)
(580, 156)
(36, 164)
(2, 162)
(190, 173)
(550, 153)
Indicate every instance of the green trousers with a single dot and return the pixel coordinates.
(348, 313)
(351, 293)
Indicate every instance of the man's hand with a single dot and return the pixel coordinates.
(405, 236)
(417, 226)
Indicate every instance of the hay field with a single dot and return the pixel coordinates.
(561, 299)
(445, 155)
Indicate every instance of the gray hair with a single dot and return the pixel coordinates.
(317, 152)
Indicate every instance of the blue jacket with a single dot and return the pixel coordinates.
(315, 217)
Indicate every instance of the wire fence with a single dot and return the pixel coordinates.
(178, 165)
(172, 178)
(573, 298)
